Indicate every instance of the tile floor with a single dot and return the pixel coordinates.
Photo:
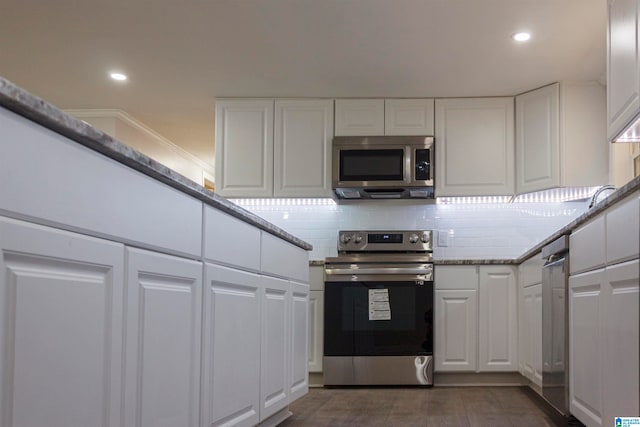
(407, 407)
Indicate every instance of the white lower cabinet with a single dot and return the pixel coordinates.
(497, 313)
(316, 330)
(456, 330)
(61, 299)
(475, 319)
(531, 333)
(231, 348)
(299, 349)
(274, 355)
(163, 335)
(621, 341)
(586, 347)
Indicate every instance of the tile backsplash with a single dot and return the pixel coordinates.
(464, 231)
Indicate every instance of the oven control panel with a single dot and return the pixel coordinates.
(385, 241)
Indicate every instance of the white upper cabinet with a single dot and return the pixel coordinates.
(302, 148)
(267, 148)
(359, 117)
(244, 147)
(559, 137)
(408, 116)
(369, 117)
(474, 154)
(623, 65)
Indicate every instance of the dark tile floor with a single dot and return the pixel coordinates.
(406, 407)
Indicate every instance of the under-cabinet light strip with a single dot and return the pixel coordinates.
(284, 202)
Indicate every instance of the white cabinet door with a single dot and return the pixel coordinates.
(586, 347)
(621, 331)
(359, 117)
(163, 333)
(538, 139)
(274, 356)
(61, 299)
(244, 148)
(299, 371)
(231, 348)
(559, 134)
(532, 333)
(316, 330)
(498, 337)
(456, 314)
(623, 64)
(302, 148)
(474, 137)
(408, 116)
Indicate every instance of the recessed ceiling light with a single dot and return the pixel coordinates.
(521, 37)
(118, 76)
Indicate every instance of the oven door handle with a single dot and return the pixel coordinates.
(385, 270)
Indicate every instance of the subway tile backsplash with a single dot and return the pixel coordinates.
(473, 231)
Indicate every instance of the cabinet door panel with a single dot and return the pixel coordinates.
(231, 365)
(456, 312)
(621, 331)
(359, 117)
(274, 372)
(538, 139)
(532, 333)
(316, 330)
(408, 116)
(474, 155)
(163, 340)
(586, 346)
(244, 148)
(623, 91)
(299, 382)
(302, 148)
(497, 344)
(61, 347)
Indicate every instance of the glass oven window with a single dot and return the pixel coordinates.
(350, 332)
(372, 165)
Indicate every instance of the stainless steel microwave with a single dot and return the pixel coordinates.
(383, 167)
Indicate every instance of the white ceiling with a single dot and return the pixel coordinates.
(182, 54)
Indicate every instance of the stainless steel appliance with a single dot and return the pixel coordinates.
(378, 311)
(555, 324)
(383, 167)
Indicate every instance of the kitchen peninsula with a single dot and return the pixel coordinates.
(131, 295)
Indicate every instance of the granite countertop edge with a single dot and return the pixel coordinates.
(21, 102)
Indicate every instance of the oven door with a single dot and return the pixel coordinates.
(378, 315)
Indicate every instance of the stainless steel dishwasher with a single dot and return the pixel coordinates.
(555, 324)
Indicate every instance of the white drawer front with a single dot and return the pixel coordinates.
(284, 259)
(70, 186)
(228, 240)
(623, 229)
(587, 246)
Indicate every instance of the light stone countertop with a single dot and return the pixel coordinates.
(36, 109)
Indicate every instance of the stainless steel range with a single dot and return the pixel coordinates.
(378, 317)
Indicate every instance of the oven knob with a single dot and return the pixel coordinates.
(357, 238)
(425, 238)
(345, 238)
(413, 238)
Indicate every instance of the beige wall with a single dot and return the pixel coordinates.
(621, 162)
(126, 129)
